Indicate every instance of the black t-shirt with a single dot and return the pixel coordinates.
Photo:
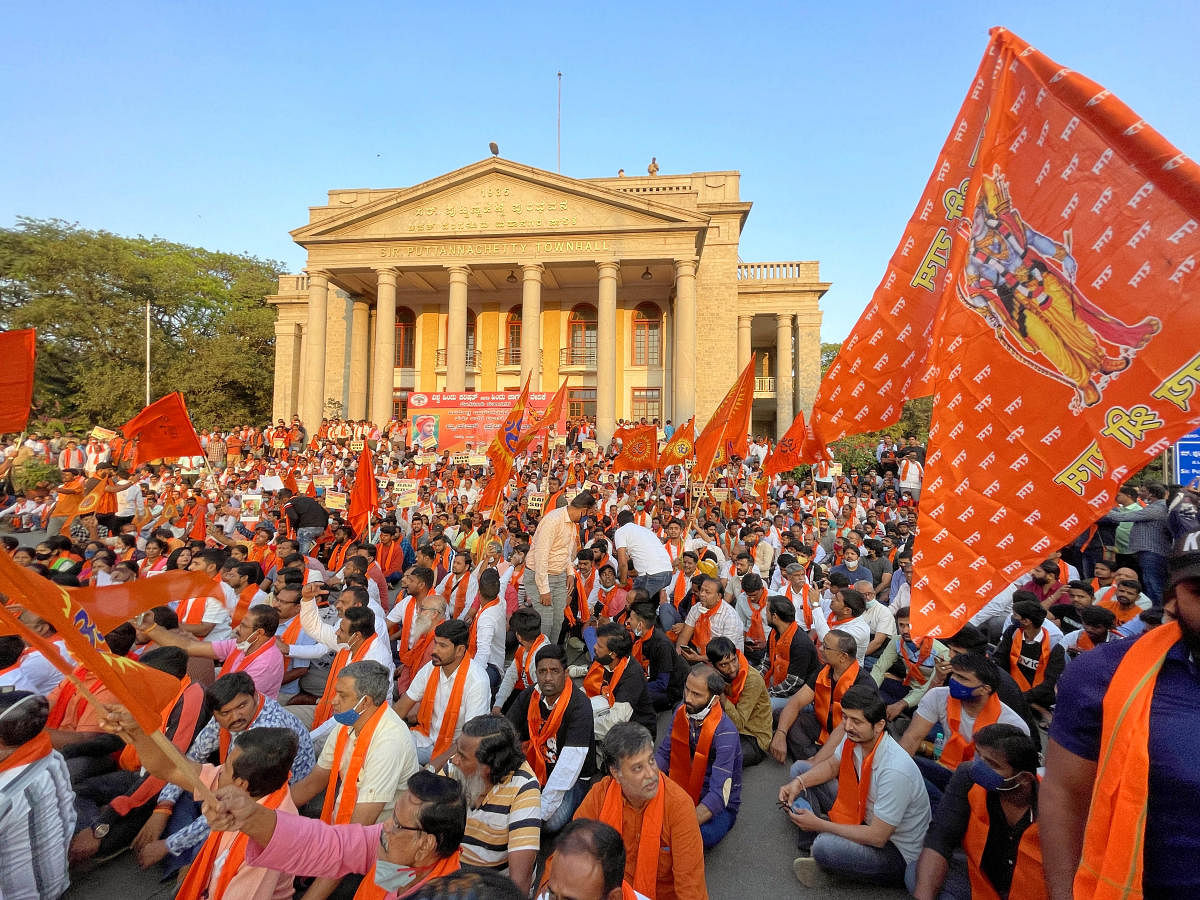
(632, 689)
(661, 658)
(802, 658)
(576, 729)
(305, 512)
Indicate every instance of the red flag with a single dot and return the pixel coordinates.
(492, 492)
(364, 496)
(1062, 362)
(639, 450)
(163, 429)
(680, 448)
(552, 414)
(81, 635)
(789, 452)
(725, 434)
(504, 445)
(18, 349)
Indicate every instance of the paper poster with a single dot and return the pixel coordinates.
(450, 421)
(251, 508)
(103, 434)
(589, 446)
(719, 494)
(426, 459)
(477, 459)
(536, 502)
(279, 443)
(356, 446)
(461, 459)
(406, 492)
(335, 500)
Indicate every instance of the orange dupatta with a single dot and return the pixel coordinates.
(325, 706)
(29, 752)
(688, 768)
(827, 697)
(779, 651)
(540, 733)
(739, 681)
(645, 873)
(445, 735)
(958, 749)
(702, 632)
(1014, 657)
(349, 797)
(853, 788)
(369, 890)
(593, 682)
(755, 631)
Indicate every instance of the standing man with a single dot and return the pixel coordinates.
(1150, 537)
(547, 566)
(639, 548)
(306, 518)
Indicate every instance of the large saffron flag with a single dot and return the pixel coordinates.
(18, 350)
(789, 452)
(1066, 355)
(639, 450)
(539, 425)
(505, 445)
(725, 434)
(113, 604)
(364, 496)
(680, 447)
(163, 429)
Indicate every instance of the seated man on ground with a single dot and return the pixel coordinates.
(745, 700)
(588, 863)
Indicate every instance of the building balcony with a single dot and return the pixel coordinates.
(508, 359)
(764, 387)
(577, 359)
(472, 361)
(796, 270)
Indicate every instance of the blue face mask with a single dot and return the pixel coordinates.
(349, 717)
(988, 778)
(958, 690)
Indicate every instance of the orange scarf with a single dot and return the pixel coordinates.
(449, 723)
(688, 767)
(458, 594)
(804, 603)
(827, 698)
(201, 877)
(593, 682)
(369, 890)
(67, 700)
(853, 788)
(756, 632)
(349, 798)
(29, 752)
(645, 870)
(524, 679)
(739, 680)
(682, 584)
(540, 732)
(385, 555)
(779, 650)
(1110, 867)
(583, 590)
(924, 649)
(702, 633)
(325, 707)
(1014, 657)
(191, 611)
(245, 598)
(337, 558)
(474, 642)
(958, 749)
(290, 635)
(1028, 882)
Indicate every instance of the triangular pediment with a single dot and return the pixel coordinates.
(494, 197)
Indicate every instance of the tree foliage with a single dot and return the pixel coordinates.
(211, 333)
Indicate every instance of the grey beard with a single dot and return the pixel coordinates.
(475, 788)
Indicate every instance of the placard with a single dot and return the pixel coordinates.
(719, 494)
(279, 443)
(103, 434)
(536, 502)
(450, 421)
(590, 446)
(406, 492)
(251, 508)
(426, 459)
(323, 482)
(477, 459)
(357, 446)
(335, 500)
(835, 470)
(302, 485)
(460, 459)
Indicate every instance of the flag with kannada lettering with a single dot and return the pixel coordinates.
(163, 430)
(1066, 356)
(639, 450)
(725, 434)
(680, 447)
(789, 452)
(18, 349)
(884, 361)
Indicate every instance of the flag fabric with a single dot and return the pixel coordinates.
(884, 360)
(113, 604)
(639, 450)
(364, 496)
(163, 429)
(492, 491)
(1062, 362)
(680, 447)
(552, 414)
(18, 349)
(504, 446)
(79, 632)
(725, 434)
(789, 452)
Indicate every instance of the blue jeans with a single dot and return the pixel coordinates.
(652, 584)
(884, 866)
(668, 615)
(1154, 575)
(717, 827)
(957, 885)
(570, 802)
(306, 537)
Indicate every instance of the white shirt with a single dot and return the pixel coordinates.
(896, 795)
(856, 628)
(477, 693)
(932, 708)
(37, 821)
(724, 623)
(645, 551)
(491, 629)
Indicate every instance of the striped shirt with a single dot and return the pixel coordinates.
(37, 820)
(508, 820)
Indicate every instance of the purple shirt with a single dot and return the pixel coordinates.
(266, 669)
(724, 764)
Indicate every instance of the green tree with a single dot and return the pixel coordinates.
(86, 292)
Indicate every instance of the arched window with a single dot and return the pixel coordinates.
(406, 338)
(581, 335)
(511, 352)
(647, 335)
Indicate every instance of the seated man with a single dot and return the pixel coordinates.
(616, 677)
(846, 612)
(873, 795)
(709, 618)
(814, 712)
(37, 815)
(988, 805)
(521, 672)
(966, 704)
(745, 700)
(703, 754)
(790, 661)
(664, 853)
(665, 669)
(419, 843)
(1026, 651)
(504, 813)
(413, 620)
(588, 862)
(489, 624)
(553, 719)
(905, 669)
(1098, 624)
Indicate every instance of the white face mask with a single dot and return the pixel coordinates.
(852, 564)
(392, 876)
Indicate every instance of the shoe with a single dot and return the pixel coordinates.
(574, 643)
(808, 873)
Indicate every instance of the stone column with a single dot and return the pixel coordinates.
(359, 359)
(743, 341)
(606, 352)
(383, 373)
(796, 392)
(684, 406)
(783, 374)
(287, 369)
(456, 331)
(312, 399)
(531, 324)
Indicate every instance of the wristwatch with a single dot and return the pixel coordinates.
(100, 832)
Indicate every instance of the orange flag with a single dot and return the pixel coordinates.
(789, 452)
(1062, 363)
(552, 415)
(680, 448)
(725, 434)
(639, 450)
(18, 349)
(81, 634)
(493, 490)
(364, 496)
(109, 606)
(504, 446)
(163, 429)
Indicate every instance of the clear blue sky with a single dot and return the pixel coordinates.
(219, 123)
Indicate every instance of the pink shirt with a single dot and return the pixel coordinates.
(266, 669)
(310, 848)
